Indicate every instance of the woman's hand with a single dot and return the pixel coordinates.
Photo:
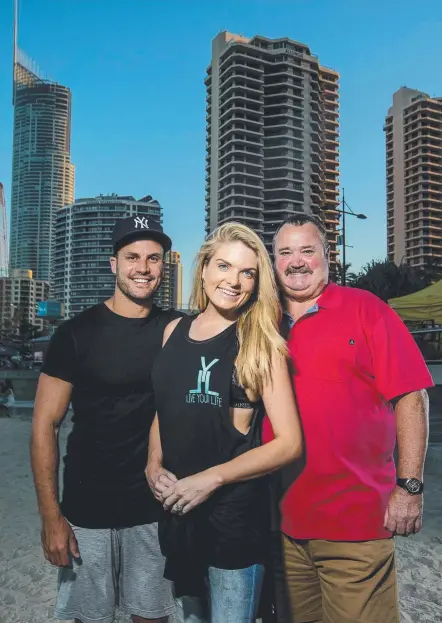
(186, 494)
(159, 480)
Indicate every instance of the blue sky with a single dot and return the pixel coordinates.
(136, 69)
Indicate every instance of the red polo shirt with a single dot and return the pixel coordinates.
(350, 358)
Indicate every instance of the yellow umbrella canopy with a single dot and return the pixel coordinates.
(425, 305)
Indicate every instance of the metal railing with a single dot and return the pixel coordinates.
(430, 343)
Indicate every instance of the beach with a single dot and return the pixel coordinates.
(28, 582)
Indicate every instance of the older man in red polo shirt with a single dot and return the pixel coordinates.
(360, 382)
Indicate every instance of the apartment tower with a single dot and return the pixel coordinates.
(171, 291)
(19, 295)
(272, 135)
(42, 172)
(413, 132)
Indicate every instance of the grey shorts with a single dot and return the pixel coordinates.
(119, 568)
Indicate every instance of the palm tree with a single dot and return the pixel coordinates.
(27, 332)
(432, 270)
(338, 271)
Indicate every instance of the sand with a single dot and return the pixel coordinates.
(28, 583)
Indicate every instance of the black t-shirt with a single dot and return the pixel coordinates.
(108, 359)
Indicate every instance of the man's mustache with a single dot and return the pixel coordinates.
(302, 270)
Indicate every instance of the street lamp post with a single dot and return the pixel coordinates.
(351, 213)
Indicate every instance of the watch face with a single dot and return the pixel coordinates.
(413, 485)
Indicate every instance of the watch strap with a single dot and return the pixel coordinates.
(404, 482)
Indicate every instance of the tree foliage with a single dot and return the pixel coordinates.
(388, 280)
(338, 271)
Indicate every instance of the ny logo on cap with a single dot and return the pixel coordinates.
(142, 222)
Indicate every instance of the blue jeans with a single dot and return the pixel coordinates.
(232, 597)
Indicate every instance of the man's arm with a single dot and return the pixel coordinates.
(411, 413)
(158, 478)
(51, 403)
(404, 512)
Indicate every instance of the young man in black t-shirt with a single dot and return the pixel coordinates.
(103, 534)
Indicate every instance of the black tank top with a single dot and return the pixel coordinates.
(192, 382)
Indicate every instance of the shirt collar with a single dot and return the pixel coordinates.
(330, 297)
(311, 310)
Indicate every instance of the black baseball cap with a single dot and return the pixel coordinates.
(139, 227)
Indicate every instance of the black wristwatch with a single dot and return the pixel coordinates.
(413, 486)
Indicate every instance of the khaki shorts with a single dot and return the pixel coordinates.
(340, 582)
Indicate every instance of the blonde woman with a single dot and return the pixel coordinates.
(217, 373)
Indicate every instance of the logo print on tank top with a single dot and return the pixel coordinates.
(203, 394)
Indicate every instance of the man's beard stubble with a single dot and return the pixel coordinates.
(123, 287)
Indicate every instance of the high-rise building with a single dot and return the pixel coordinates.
(81, 270)
(272, 135)
(176, 280)
(171, 291)
(19, 295)
(42, 172)
(413, 132)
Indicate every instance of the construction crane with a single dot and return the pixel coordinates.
(4, 263)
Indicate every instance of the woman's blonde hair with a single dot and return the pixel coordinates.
(258, 322)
